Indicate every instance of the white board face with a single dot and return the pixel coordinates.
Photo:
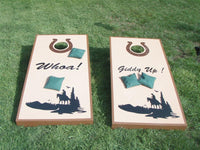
(57, 106)
(141, 106)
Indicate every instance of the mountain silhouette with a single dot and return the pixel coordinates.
(158, 109)
(61, 107)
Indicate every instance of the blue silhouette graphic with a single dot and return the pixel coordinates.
(70, 107)
(63, 97)
(158, 109)
(154, 102)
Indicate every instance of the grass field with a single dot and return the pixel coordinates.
(175, 22)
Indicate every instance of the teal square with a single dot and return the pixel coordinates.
(147, 80)
(130, 80)
(54, 83)
(77, 53)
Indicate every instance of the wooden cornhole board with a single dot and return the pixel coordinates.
(72, 104)
(140, 106)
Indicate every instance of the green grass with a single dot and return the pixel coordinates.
(137, 49)
(61, 45)
(175, 22)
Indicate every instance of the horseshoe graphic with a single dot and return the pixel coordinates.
(51, 46)
(128, 48)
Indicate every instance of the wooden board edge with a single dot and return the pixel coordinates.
(39, 122)
(111, 79)
(89, 75)
(60, 34)
(134, 37)
(148, 126)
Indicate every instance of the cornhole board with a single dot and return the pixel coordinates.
(143, 106)
(72, 103)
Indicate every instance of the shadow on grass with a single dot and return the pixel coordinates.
(100, 71)
(24, 60)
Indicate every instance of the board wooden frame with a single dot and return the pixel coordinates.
(36, 122)
(131, 125)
